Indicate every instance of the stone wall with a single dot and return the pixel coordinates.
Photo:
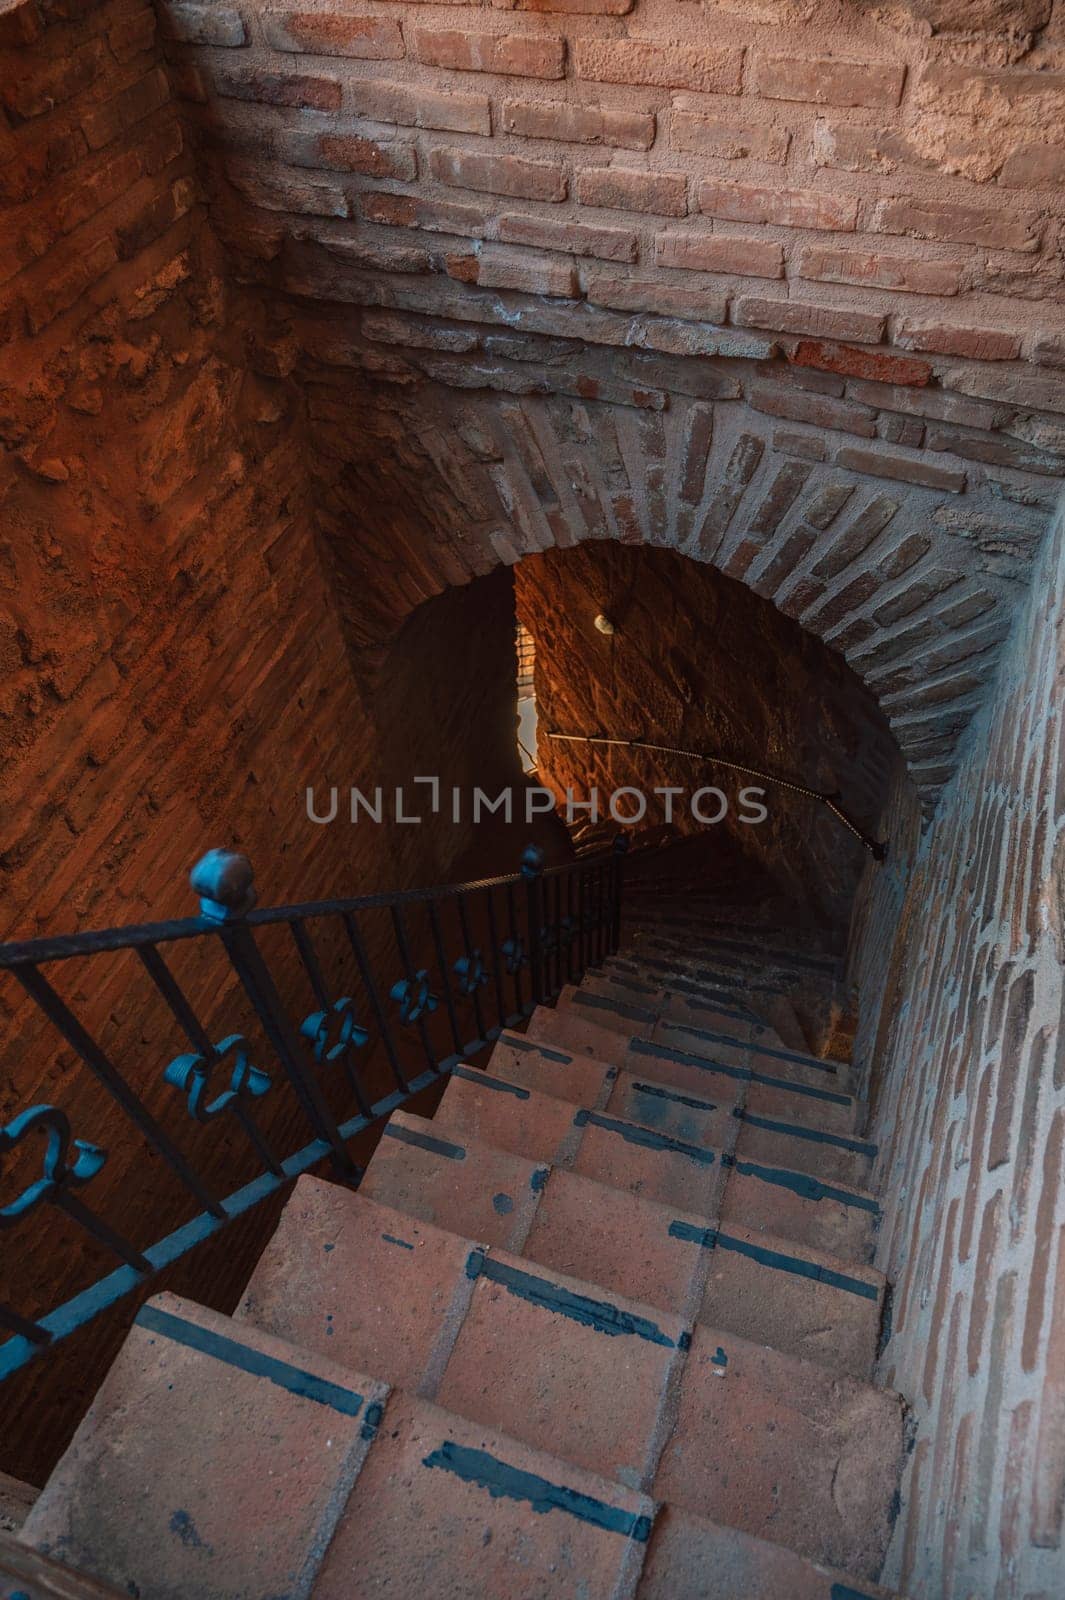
(968, 1067)
(698, 661)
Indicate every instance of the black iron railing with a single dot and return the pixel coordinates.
(252, 1044)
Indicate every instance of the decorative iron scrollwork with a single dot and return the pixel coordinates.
(514, 957)
(334, 1031)
(414, 997)
(192, 1075)
(470, 972)
(59, 1172)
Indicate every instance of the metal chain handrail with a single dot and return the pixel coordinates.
(876, 847)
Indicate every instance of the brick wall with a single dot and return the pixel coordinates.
(175, 665)
(837, 227)
(969, 1066)
(698, 661)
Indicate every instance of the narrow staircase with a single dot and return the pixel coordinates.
(602, 1327)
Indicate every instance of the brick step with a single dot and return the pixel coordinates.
(214, 1461)
(676, 975)
(449, 1507)
(666, 1001)
(800, 1301)
(775, 1086)
(755, 952)
(322, 1485)
(691, 1558)
(608, 1148)
(699, 961)
(512, 1345)
(627, 1154)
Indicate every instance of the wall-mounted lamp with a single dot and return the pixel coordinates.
(603, 623)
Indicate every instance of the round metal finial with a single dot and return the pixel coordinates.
(224, 881)
(532, 861)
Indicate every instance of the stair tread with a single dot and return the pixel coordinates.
(692, 1558)
(448, 1506)
(201, 1433)
(773, 1444)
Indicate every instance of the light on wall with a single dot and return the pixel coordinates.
(603, 623)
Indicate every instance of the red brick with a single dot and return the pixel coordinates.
(983, 1277)
(596, 125)
(1048, 1499)
(37, 93)
(435, 216)
(276, 190)
(826, 81)
(997, 229)
(281, 89)
(526, 272)
(660, 66)
(205, 24)
(339, 152)
(788, 208)
(752, 258)
(869, 268)
(879, 464)
(415, 107)
(20, 24)
(823, 411)
(950, 339)
(651, 294)
(875, 366)
(584, 8)
(326, 33)
(520, 55)
(796, 316)
(105, 122)
(452, 1534)
(1048, 349)
(68, 282)
(575, 238)
(663, 193)
(1037, 166)
(502, 174)
(703, 135)
(1043, 1241)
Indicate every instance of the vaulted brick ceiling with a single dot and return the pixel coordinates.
(775, 282)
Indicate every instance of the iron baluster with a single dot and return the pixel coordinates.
(23, 1328)
(445, 978)
(59, 1175)
(81, 1041)
(206, 1052)
(514, 951)
(338, 1015)
(471, 955)
(412, 992)
(571, 917)
(493, 935)
(532, 869)
(617, 886)
(224, 881)
(381, 1016)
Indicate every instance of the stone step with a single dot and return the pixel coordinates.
(690, 1558)
(608, 1148)
(765, 1057)
(569, 1075)
(566, 1367)
(787, 1142)
(792, 1198)
(674, 977)
(777, 1446)
(214, 1461)
(837, 1218)
(451, 1508)
(800, 1300)
(466, 1187)
(666, 1001)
